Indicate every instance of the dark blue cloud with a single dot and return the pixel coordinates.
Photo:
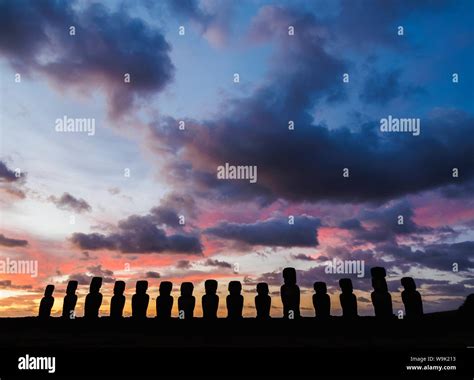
(9, 242)
(69, 202)
(6, 174)
(271, 232)
(140, 234)
(106, 46)
(307, 164)
(379, 88)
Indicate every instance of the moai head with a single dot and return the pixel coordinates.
(235, 287)
(95, 285)
(378, 272)
(48, 292)
(379, 284)
(165, 288)
(262, 289)
(289, 276)
(71, 287)
(346, 285)
(408, 283)
(320, 287)
(187, 289)
(119, 288)
(141, 287)
(210, 286)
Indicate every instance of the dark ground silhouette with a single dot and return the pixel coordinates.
(346, 345)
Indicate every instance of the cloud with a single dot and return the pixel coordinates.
(217, 263)
(93, 271)
(366, 24)
(6, 174)
(440, 256)
(380, 88)
(9, 284)
(303, 257)
(152, 274)
(87, 256)
(139, 234)
(183, 264)
(106, 46)
(10, 183)
(212, 18)
(8, 242)
(382, 224)
(307, 164)
(70, 203)
(271, 232)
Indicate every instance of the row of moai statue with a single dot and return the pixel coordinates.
(290, 296)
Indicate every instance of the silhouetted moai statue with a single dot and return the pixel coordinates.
(210, 300)
(140, 300)
(347, 298)
(321, 300)
(290, 294)
(411, 299)
(186, 302)
(47, 302)
(118, 300)
(235, 301)
(466, 310)
(69, 303)
(164, 302)
(381, 298)
(263, 301)
(93, 299)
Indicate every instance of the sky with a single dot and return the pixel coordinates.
(140, 198)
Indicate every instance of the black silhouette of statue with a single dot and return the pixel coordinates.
(93, 299)
(347, 298)
(234, 301)
(164, 302)
(321, 300)
(118, 300)
(186, 302)
(411, 299)
(381, 298)
(210, 300)
(47, 302)
(466, 310)
(290, 294)
(140, 300)
(70, 300)
(263, 301)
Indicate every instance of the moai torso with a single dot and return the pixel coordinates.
(140, 300)
(93, 299)
(210, 300)
(411, 299)
(164, 302)
(47, 302)
(186, 302)
(70, 300)
(235, 301)
(117, 302)
(263, 301)
(321, 300)
(290, 294)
